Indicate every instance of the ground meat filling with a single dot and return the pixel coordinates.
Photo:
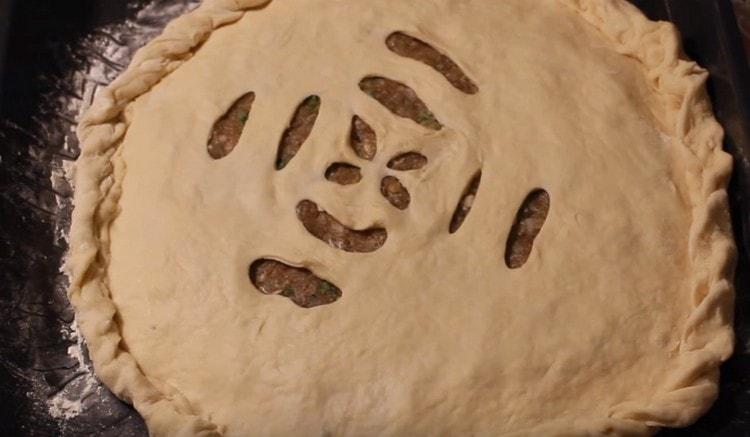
(298, 284)
(408, 161)
(410, 47)
(227, 130)
(299, 129)
(465, 203)
(529, 221)
(362, 139)
(325, 227)
(343, 173)
(395, 192)
(400, 100)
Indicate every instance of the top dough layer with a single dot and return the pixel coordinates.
(433, 334)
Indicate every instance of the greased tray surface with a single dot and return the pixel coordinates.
(60, 52)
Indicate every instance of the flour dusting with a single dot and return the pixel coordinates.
(68, 402)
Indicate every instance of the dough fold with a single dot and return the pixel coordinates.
(708, 338)
(97, 190)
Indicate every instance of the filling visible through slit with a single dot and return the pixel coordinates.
(395, 192)
(299, 129)
(410, 47)
(465, 203)
(400, 100)
(343, 173)
(362, 139)
(227, 130)
(326, 228)
(407, 161)
(299, 285)
(529, 221)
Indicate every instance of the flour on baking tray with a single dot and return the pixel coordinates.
(68, 402)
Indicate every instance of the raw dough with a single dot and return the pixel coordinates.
(617, 323)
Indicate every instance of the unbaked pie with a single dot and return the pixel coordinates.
(388, 217)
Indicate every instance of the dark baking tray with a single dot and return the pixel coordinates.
(41, 36)
(5, 14)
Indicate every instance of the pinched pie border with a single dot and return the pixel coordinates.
(707, 338)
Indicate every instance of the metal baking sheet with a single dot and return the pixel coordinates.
(60, 52)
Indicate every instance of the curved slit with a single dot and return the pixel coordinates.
(465, 203)
(343, 173)
(328, 229)
(298, 130)
(362, 139)
(393, 190)
(400, 100)
(227, 130)
(407, 161)
(410, 47)
(528, 223)
(298, 284)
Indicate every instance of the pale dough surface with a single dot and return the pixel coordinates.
(617, 322)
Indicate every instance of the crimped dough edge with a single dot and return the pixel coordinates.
(707, 338)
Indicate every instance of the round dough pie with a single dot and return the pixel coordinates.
(580, 286)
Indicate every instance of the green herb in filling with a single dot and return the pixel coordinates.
(326, 287)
